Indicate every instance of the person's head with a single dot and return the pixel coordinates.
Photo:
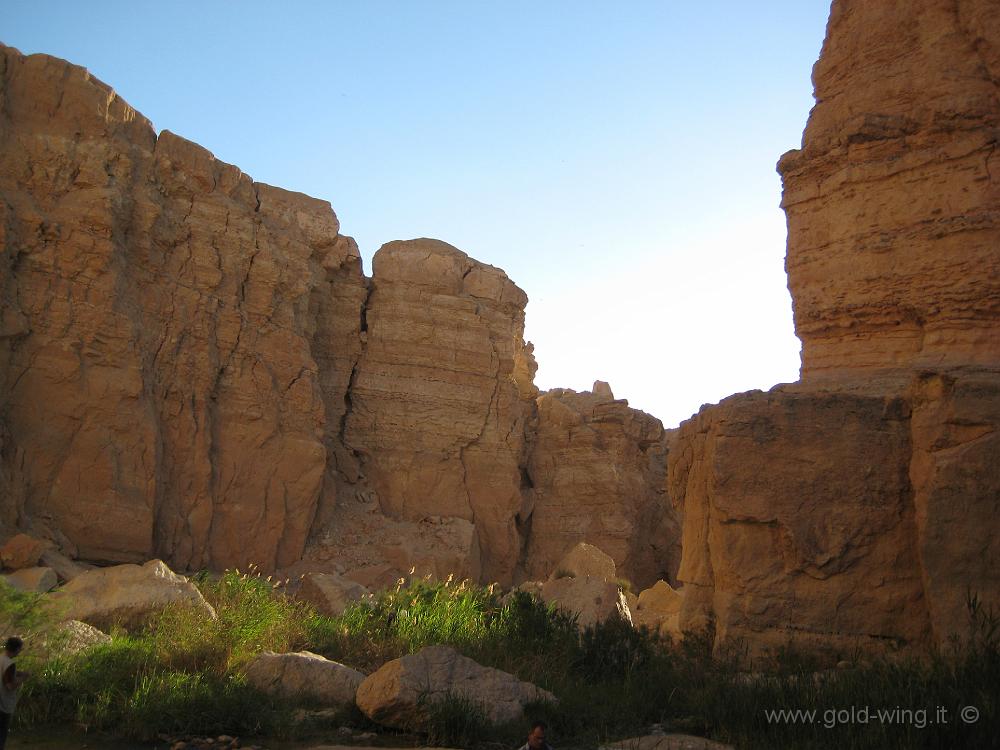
(536, 737)
(13, 645)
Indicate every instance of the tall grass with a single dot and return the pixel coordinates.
(183, 674)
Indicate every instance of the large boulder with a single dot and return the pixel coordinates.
(397, 695)
(592, 599)
(65, 568)
(127, 594)
(329, 593)
(22, 551)
(304, 675)
(69, 637)
(585, 560)
(34, 580)
(658, 608)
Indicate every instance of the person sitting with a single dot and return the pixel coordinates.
(536, 737)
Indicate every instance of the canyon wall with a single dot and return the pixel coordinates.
(194, 367)
(858, 507)
(159, 396)
(892, 200)
(598, 471)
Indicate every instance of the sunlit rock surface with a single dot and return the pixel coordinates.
(858, 508)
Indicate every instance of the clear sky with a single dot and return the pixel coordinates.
(615, 159)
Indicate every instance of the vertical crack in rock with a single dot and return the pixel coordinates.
(349, 390)
(492, 409)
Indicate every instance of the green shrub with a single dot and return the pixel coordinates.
(252, 615)
(455, 721)
(183, 674)
(24, 614)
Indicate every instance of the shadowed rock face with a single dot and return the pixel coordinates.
(194, 367)
(598, 472)
(858, 507)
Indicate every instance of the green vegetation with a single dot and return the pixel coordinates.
(183, 674)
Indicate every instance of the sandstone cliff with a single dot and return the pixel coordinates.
(858, 507)
(892, 201)
(194, 367)
(598, 473)
(160, 396)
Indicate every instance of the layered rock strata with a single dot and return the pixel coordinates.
(194, 367)
(892, 201)
(858, 507)
(160, 395)
(442, 393)
(598, 474)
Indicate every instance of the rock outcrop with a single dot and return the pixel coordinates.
(858, 507)
(798, 519)
(194, 367)
(399, 693)
(127, 595)
(304, 676)
(597, 470)
(159, 387)
(441, 394)
(892, 200)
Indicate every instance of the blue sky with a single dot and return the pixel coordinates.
(616, 159)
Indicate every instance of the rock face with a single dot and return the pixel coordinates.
(955, 479)
(892, 200)
(159, 389)
(597, 468)
(798, 520)
(858, 507)
(441, 394)
(398, 693)
(304, 675)
(193, 367)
